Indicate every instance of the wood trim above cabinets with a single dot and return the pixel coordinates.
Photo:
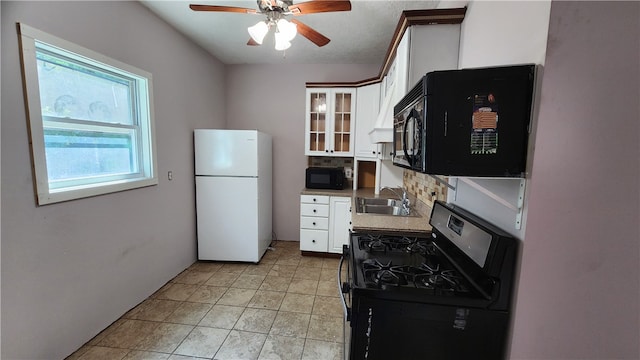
(408, 18)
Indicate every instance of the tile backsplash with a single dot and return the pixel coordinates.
(320, 161)
(424, 187)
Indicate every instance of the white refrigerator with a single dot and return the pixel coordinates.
(233, 194)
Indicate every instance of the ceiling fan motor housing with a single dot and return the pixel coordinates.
(274, 5)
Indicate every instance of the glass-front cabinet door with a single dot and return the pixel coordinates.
(342, 129)
(317, 122)
(330, 121)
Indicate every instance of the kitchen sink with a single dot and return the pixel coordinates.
(378, 202)
(380, 206)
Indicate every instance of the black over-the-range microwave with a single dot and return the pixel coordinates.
(469, 122)
(325, 178)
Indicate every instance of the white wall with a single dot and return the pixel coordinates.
(504, 32)
(271, 98)
(70, 269)
(579, 290)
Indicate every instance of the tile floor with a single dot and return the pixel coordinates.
(285, 307)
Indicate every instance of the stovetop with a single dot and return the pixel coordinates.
(388, 262)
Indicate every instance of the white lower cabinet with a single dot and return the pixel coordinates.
(325, 222)
(339, 223)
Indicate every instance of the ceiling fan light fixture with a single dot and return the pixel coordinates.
(287, 29)
(281, 42)
(258, 31)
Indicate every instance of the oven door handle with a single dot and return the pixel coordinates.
(344, 288)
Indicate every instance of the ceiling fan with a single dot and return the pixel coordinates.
(276, 11)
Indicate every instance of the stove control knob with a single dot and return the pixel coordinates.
(345, 288)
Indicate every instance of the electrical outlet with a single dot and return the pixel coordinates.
(348, 172)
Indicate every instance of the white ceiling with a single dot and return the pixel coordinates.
(359, 36)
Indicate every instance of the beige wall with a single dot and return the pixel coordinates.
(271, 98)
(70, 269)
(579, 294)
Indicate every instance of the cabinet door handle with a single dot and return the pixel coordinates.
(373, 152)
(331, 150)
(326, 151)
(313, 241)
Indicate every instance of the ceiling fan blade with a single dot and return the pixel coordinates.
(252, 42)
(234, 9)
(318, 6)
(314, 36)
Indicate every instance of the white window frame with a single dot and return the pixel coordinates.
(146, 152)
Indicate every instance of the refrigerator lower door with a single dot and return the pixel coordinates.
(227, 218)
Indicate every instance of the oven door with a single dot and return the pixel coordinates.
(385, 329)
(408, 139)
(344, 284)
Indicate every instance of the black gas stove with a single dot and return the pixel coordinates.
(444, 296)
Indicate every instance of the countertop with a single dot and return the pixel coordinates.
(374, 222)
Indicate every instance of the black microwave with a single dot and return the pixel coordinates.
(325, 178)
(469, 122)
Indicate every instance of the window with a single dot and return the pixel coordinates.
(90, 120)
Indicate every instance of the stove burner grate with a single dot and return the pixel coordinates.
(428, 276)
(383, 274)
(379, 243)
(446, 282)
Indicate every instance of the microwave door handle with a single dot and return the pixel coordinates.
(404, 141)
(446, 122)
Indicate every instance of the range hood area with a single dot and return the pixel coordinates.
(382, 131)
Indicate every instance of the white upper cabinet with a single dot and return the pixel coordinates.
(330, 121)
(401, 60)
(432, 47)
(421, 49)
(367, 106)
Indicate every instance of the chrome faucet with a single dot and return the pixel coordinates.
(406, 203)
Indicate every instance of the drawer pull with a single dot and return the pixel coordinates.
(313, 241)
(314, 210)
(314, 199)
(314, 224)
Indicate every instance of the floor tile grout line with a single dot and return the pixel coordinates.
(246, 269)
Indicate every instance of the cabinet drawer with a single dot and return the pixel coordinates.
(314, 199)
(314, 240)
(314, 210)
(314, 223)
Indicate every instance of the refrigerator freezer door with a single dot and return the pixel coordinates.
(226, 152)
(227, 223)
